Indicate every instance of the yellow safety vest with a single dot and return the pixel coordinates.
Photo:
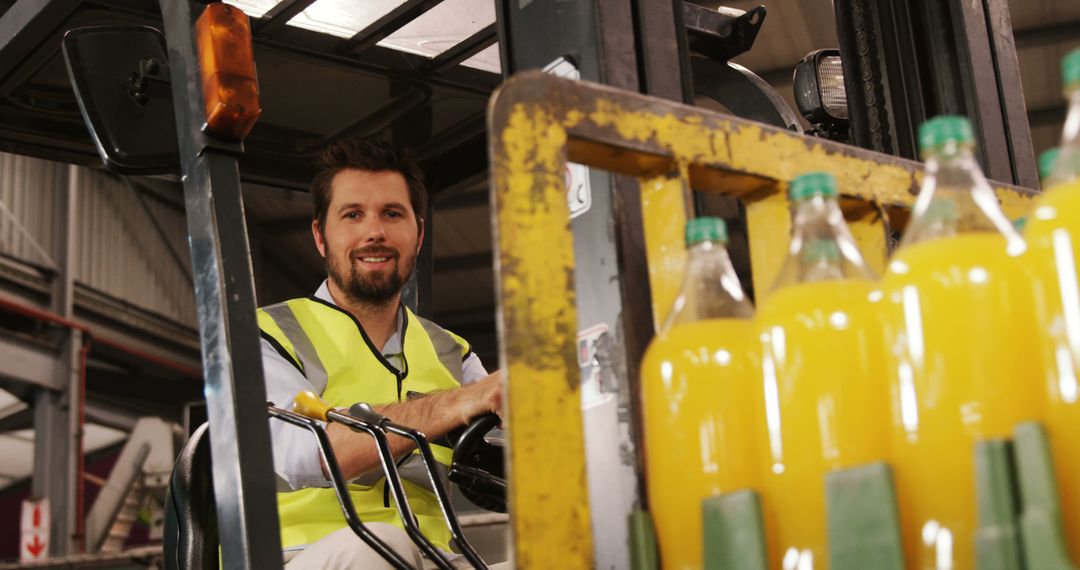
(328, 345)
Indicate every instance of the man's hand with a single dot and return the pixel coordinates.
(482, 397)
(434, 415)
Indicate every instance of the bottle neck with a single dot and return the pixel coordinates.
(710, 289)
(955, 199)
(1067, 167)
(822, 248)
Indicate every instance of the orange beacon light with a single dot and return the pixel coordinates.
(227, 71)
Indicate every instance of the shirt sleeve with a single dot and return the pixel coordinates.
(297, 459)
(472, 369)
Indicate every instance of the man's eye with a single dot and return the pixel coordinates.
(394, 214)
(352, 215)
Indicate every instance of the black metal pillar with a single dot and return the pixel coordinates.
(907, 61)
(225, 295)
(606, 40)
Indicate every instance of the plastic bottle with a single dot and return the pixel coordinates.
(1053, 235)
(823, 367)
(957, 307)
(697, 382)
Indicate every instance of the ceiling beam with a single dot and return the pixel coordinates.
(465, 49)
(389, 23)
(27, 24)
(280, 15)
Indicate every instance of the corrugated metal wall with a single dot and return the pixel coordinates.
(119, 251)
(28, 191)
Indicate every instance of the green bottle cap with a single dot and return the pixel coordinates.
(821, 250)
(944, 129)
(1070, 69)
(1047, 160)
(705, 229)
(812, 184)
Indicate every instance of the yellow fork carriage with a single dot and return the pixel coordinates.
(538, 123)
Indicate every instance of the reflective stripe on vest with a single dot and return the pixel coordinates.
(337, 357)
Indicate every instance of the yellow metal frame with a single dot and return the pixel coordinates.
(537, 123)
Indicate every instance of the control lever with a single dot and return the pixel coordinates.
(310, 405)
(340, 487)
(364, 412)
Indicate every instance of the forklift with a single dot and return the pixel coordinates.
(150, 86)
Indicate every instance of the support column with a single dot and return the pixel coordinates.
(57, 418)
(225, 297)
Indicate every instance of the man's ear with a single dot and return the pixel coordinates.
(420, 238)
(320, 242)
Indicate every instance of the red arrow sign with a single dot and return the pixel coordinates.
(36, 547)
(37, 516)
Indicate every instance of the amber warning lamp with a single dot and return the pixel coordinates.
(227, 71)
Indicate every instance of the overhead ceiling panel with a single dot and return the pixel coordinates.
(487, 60)
(443, 27)
(429, 35)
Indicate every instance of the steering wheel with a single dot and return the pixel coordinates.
(477, 467)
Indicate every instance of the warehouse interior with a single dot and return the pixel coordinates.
(96, 277)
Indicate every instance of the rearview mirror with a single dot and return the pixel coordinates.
(120, 75)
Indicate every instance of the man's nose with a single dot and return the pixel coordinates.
(375, 231)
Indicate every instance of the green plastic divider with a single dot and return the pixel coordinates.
(1041, 530)
(643, 552)
(734, 532)
(997, 540)
(864, 523)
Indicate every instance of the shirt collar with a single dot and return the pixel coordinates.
(393, 344)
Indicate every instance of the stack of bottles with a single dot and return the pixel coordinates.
(929, 418)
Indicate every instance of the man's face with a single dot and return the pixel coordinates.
(372, 236)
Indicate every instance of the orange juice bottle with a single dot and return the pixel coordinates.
(697, 381)
(825, 396)
(1053, 236)
(959, 327)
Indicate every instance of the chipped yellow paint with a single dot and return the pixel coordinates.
(749, 148)
(768, 228)
(869, 234)
(783, 156)
(1014, 205)
(663, 213)
(689, 140)
(549, 495)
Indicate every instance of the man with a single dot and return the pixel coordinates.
(354, 341)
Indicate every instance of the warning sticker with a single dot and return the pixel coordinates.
(590, 342)
(578, 190)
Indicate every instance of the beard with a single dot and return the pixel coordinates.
(375, 289)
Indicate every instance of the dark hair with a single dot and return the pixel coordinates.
(372, 154)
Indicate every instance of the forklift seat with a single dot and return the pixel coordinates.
(191, 532)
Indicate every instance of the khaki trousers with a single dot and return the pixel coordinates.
(343, 550)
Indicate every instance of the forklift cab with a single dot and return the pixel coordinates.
(316, 87)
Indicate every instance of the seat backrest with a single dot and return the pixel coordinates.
(191, 531)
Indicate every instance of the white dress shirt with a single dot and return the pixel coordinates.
(296, 453)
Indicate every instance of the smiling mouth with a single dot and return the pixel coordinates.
(374, 259)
